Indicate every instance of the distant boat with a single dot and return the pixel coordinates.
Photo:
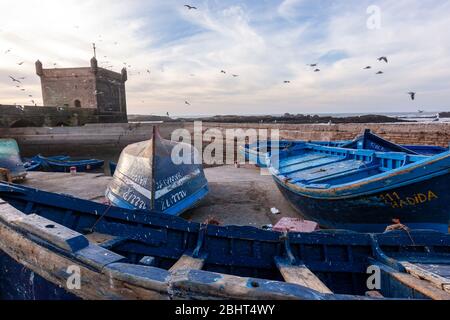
(147, 178)
(11, 164)
(35, 163)
(57, 165)
(365, 185)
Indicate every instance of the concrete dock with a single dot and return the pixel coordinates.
(237, 196)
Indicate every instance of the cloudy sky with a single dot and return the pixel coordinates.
(265, 42)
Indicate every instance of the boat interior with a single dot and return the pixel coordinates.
(332, 262)
(322, 167)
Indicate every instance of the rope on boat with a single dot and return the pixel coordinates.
(91, 230)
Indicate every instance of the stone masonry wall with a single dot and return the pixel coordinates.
(111, 138)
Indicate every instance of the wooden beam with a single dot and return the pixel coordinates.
(414, 284)
(423, 274)
(301, 275)
(188, 262)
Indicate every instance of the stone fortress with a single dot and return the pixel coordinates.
(72, 97)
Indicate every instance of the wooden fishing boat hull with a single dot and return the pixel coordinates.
(422, 205)
(148, 177)
(157, 256)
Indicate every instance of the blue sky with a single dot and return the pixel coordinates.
(264, 42)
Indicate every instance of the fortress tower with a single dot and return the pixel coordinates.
(89, 87)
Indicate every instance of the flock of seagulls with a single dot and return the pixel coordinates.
(314, 67)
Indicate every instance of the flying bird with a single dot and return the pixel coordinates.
(190, 7)
(8, 51)
(148, 71)
(167, 114)
(368, 67)
(317, 70)
(186, 102)
(380, 72)
(223, 71)
(412, 95)
(287, 81)
(14, 80)
(235, 75)
(21, 63)
(312, 65)
(383, 59)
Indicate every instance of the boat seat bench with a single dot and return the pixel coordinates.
(436, 274)
(301, 275)
(187, 261)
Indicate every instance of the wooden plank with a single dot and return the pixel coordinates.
(301, 275)
(414, 284)
(434, 278)
(57, 234)
(188, 262)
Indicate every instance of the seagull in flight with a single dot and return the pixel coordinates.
(317, 70)
(380, 72)
(412, 95)
(223, 71)
(21, 63)
(8, 51)
(14, 80)
(312, 65)
(190, 7)
(187, 102)
(287, 81)
(235, 75)
(385, 59)
(368, 67)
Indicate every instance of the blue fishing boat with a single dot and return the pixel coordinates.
(135, 254)
(52, 164)
(365, 189)
(257, 153)
(11, 165)
(148, 177)
(35, 163)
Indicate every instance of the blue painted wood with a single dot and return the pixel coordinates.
(364, 189)
(339, 258)
(10, 158)
(258, 152)
(112, 167)
(62, 164)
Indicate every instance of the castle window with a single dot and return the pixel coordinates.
(77, 103)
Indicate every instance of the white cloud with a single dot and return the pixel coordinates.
(186, 49)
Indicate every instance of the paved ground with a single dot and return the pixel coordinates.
(238, 196)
